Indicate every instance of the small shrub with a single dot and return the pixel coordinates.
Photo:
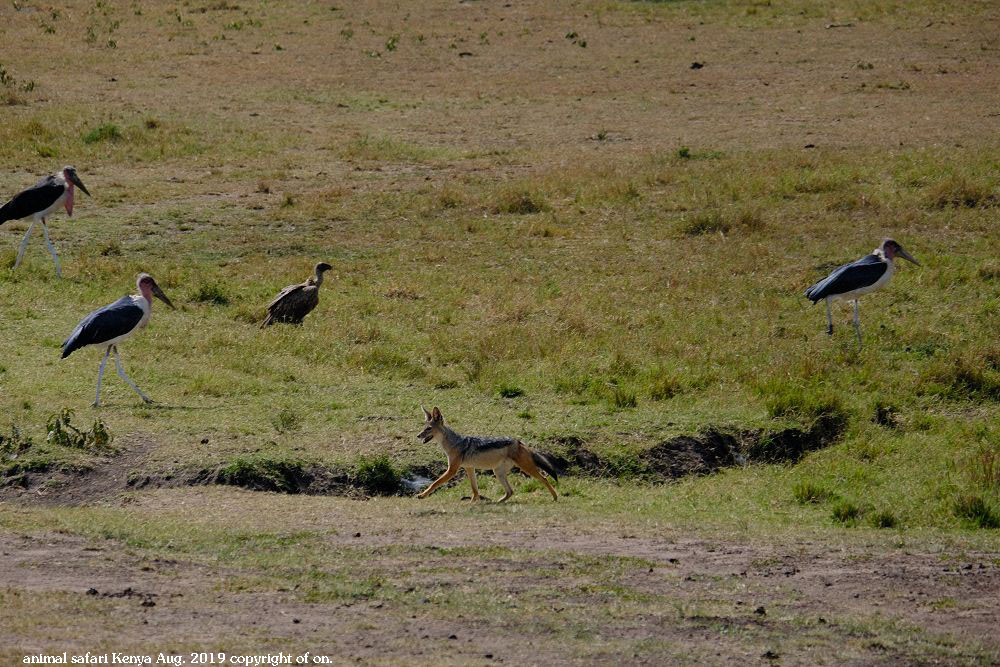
(974, 510)
(61, 432)
(749, 219)
(711, 222)
(524, 414)
(684, 153)
(105, 132)
(111, 249)
(212, 293)
(377, 475)
(885, 414)
(392, 43)
(449, 198)
(808, 493)
(286, 420)
(884, 519)
(509, 391)
(846, 512)
(15, 444)
(520, 202)
(7, 79)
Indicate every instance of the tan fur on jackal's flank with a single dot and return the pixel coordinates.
(472, 453)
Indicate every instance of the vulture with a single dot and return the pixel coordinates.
(296, 301)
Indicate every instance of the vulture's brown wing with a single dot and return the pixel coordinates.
(282, 294)
(296, 304)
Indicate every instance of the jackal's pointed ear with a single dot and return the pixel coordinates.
(436, 415)
(427, 415)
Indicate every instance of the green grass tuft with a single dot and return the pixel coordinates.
(964, 376)
(883, 519)
(101, 133)
(264, 472)
(974, 510)
(509, 391)
(212, 292)
(805, 403)
(846, 512)
(711, 222)
(519, 201)
(810, 493)
(286, 420)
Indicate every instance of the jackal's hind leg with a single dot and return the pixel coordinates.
(501, 474)
(524, 462)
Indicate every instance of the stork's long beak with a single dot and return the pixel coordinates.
(907, 256)
(78, 183)
(158, 293)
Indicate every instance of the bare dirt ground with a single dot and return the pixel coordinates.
(716, 601)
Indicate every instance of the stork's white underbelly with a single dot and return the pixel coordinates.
(41, 215)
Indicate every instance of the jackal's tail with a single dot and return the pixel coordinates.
(542, 462)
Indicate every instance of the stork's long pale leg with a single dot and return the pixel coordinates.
(100, 374)
(829, 317)
(857, 323)
(121, 374)
(52, 249)
(24, 244)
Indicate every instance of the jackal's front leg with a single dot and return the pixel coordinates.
(471, 474)
(452, 470)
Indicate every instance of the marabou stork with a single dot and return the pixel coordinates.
(38, 202)
(110, 325)
(850, 281)
(296, 301)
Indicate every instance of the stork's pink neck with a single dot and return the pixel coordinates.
(146, 290)
(69, 197)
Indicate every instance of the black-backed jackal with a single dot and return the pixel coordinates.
(471, 452)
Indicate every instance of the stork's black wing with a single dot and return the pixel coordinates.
(36, 198)
(104, 324)
(849, 277)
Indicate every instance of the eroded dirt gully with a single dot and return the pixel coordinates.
(708, 451)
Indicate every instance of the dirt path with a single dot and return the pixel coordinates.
(689, 599)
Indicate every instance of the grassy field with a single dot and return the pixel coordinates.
(585, 224)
